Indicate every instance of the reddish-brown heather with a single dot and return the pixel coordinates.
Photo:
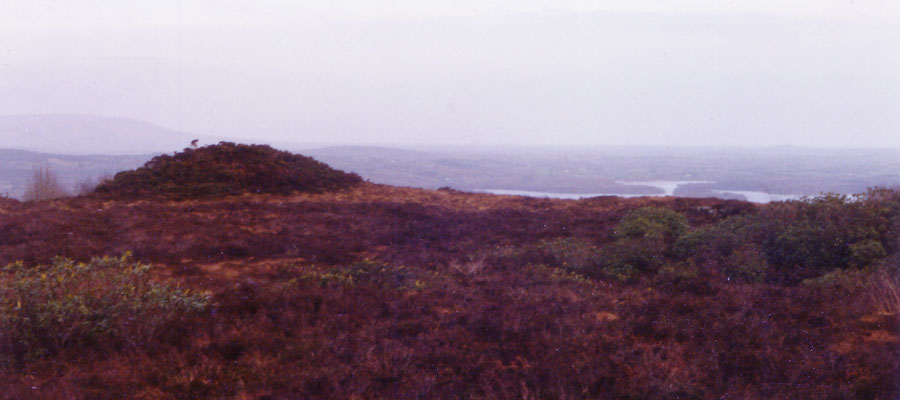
(385, 292)
(225, 169)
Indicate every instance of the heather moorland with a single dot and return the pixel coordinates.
(236, 271)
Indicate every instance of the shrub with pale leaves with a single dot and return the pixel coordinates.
(109, 301)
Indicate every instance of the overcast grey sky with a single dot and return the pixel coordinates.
(420, 72)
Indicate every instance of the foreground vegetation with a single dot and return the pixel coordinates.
(383, 292)
(46, 310)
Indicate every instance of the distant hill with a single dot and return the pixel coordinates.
(784, 170)
(88, 134)
(547, 172)
(16, 167)
(226, 169)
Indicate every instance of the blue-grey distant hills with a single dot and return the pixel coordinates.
(73, 171)
(742, 173)
(90, 134)
(83, 148)
(80, 149)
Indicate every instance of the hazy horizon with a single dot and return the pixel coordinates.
(84, 146)
(810, 74)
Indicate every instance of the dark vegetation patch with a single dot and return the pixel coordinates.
(380, 292)
(226, 169)
(7, 203)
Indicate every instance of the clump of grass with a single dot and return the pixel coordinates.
(108, 301)
(559, 275)
(572, 253)
(883, 290)
(366, 272)
(880, 285)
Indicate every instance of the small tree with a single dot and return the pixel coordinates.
(44, 186)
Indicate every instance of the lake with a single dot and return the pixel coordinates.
(668, 187)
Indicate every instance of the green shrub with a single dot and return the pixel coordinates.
(623, 259)
(621, 272)
(713, 242)
(745, 265)
(684, 276)
(794, 240)
(692, 244)
(558, 275)
(833, 231)
(653, 223)
(575, 254)
(866, 252)
(369, 273)
(845, 278)
(67, 305)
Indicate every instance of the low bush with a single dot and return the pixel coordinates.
(654, 223)
(621, 260)
(883, 290)
(684, 277)
(713, 242)
(792, 241)
(108, 301)
(624, 259)
(575, 254)
(670, 274)
(558, 275)
(746, 264)
(865, 252)
(879, 285)
(366, 272)
(834, 231)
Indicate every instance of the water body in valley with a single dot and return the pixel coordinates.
(761, 197)
(668, 188)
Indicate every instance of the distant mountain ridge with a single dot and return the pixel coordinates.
(776, 171)
(90, 134)
(17, 166)
(84, 147)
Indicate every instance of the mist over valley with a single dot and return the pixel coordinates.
(90, 148)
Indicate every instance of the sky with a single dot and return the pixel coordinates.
(814, 73)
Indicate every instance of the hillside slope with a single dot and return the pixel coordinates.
(226, 169)
(384, 292)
